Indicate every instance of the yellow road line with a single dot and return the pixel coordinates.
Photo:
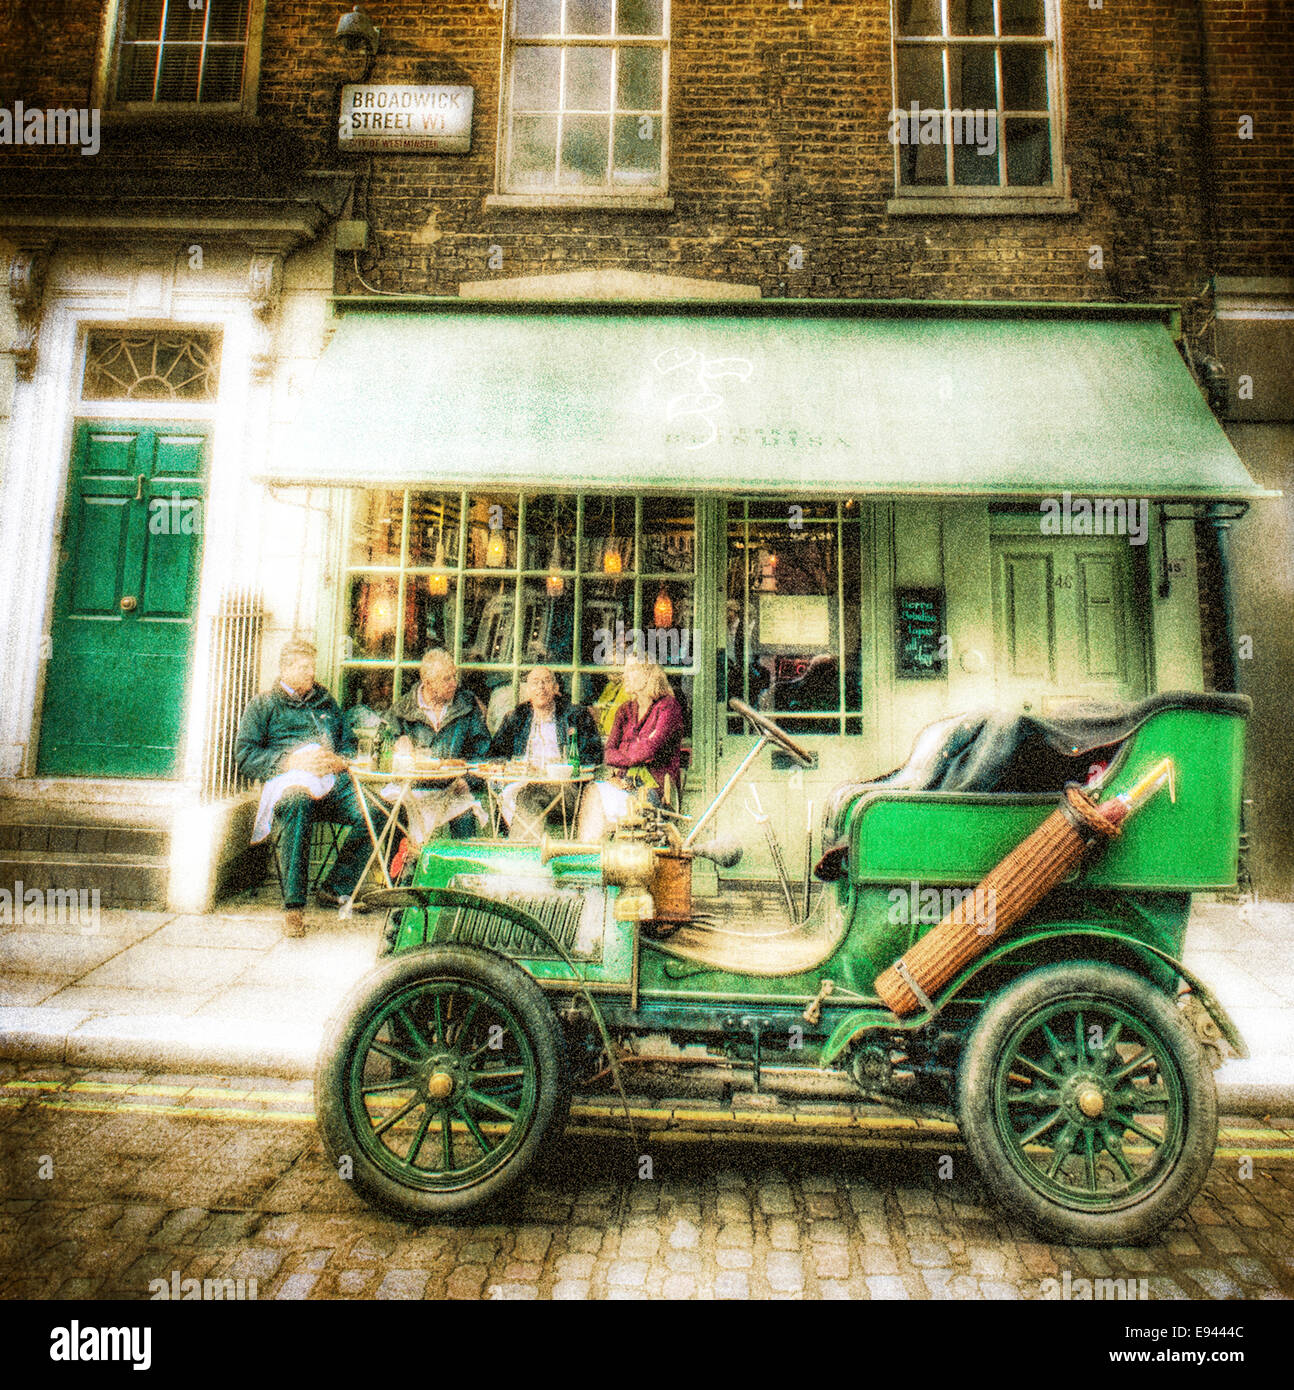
(681, 1123)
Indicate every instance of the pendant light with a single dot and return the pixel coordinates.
(438, 581)
(556, 584)
(611, 560)
(496, 549)
(663, 609)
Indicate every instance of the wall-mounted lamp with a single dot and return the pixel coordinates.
(357, 30)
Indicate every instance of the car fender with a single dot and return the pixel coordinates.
(858, 1022)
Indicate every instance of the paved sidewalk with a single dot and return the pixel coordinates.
(227, 993)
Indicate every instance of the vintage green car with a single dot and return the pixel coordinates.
(1075, 1052)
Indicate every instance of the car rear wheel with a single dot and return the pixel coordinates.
(440, 1077)
(1087, 1104)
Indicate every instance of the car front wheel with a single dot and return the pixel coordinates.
(441, 1076)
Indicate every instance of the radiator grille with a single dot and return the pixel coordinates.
(572, 915)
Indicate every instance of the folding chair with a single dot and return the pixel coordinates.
(325, 841)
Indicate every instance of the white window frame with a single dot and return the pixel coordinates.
(1001, 197)
(104, 93)
(602, 195)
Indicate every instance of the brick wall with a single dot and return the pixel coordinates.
(778, 134)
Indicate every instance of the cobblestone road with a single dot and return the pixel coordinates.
(114, 1181)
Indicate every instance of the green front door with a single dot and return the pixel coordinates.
(124, 606)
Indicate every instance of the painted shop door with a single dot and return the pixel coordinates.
(1067, 622)
(122, 631)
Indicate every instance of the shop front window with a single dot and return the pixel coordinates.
(792, 646)
(506, 581)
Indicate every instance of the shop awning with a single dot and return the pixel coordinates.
(769, 398)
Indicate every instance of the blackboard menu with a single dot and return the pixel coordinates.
(919, 625)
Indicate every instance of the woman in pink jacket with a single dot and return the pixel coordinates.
(644, 747)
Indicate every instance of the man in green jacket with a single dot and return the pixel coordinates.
(439, 717)
(297, 732)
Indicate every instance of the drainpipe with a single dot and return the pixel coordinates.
(1219, 516)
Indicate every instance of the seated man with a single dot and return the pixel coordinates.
(292, 738)
(439, 718)
(537, 732)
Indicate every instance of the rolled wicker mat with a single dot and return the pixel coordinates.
(1008, 891)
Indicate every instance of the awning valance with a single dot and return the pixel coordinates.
(756, 399)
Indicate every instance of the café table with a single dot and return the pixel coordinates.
(368, 783)
(497, 782)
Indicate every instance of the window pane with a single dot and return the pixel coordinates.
(608, 536)
(143, 20)
(222, 74)
(970, 16)
(608, 608)
(919, 17)
(1023, 17)
(972, 78)
(536, 79)
(1028, 152)
(547, 624)
(537, 17)
(920, 77)
(637, 152)
(433, 529)
(428, 614)
(668, 535)
(784, 626)
(588, 79)
(668, 622)
(534, 151)
(550, 533)
(367, 691)
(1024, 78)
(641, 17)
(488, 620)
(155, 367)
(373, 615)
(584, 150)
(137, 71)
(179, 79)
(975, 157)
(184, 24)
(928, 163)
(638, 83)
(375, 528)
(588, 16)
(228, 21)
(492, 531)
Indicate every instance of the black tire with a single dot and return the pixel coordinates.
(1046, 1116)
(451, 1037)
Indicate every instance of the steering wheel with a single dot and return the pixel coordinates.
(766, 726)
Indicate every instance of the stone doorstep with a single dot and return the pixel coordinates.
(123, 880)
(81, 838)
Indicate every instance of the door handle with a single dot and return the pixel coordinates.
(139, 488)
(129, 603)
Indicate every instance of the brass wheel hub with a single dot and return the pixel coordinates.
(439, 1078)
(1091, 1102)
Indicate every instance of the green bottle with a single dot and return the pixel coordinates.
(573, 751)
